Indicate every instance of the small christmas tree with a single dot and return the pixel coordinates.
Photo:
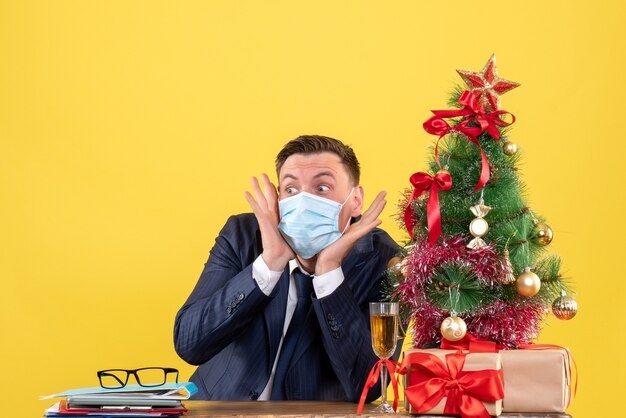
(476, 258)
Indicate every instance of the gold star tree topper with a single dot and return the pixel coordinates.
(487, 85)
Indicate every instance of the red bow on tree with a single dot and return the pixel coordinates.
(472, 112)
(431, 380)
(423, 182)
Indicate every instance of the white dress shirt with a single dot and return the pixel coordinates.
(323, 285)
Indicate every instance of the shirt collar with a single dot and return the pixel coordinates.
(294, 264)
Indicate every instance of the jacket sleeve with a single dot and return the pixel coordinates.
(344, 318)
(226, 297)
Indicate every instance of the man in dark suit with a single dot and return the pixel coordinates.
(281, 308)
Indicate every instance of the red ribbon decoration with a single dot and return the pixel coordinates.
(372, 378)
(423, 182)
(472, 344)
(472, 112)
(431, 380)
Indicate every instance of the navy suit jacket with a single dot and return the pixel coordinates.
(232, 330)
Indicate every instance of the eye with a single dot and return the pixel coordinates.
(291, 190)
(323, 188)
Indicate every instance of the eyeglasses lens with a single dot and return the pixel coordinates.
(113, 378)
(151, 376)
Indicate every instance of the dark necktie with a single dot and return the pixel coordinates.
(304, 287)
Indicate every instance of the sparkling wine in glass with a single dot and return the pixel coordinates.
(384, 328)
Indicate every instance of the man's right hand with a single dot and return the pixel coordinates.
(264, 204)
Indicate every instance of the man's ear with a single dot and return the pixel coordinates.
(356, 201)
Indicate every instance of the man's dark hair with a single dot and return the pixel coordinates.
(313, 144)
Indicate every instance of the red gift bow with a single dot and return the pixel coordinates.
(464, 391)
(472, 112)
(373, 378)
(422, 182)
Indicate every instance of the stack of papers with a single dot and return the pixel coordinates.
(130, 401)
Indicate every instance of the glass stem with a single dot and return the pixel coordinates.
(383, 383)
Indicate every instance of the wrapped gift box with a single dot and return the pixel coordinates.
(536, 380)
(473, 362)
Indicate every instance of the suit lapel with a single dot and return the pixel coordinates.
(275, 317)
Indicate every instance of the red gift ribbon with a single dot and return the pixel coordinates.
(431, 380)
(423, 182)
(472, 344)
(372, 379)
(472, 112)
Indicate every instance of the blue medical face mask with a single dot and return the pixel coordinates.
(310, 223)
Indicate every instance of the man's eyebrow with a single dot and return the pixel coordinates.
(289, 176)
(324, 173)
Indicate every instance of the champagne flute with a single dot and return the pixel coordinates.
(384, 327)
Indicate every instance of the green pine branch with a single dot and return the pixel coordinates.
(454, 287)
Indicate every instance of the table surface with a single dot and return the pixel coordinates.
(283, 409)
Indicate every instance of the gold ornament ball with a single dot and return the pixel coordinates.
(391, 265)
(404, 269)
(478, 227)
(527, 283)
(399, 266)
(443, 171)
(543, 234)
(509, 148)
(564, 308)
(453, 328)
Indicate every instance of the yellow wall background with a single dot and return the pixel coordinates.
(129, 131)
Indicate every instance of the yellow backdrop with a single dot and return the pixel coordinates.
(129, 131)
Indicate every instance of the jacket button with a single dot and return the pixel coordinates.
(254, 395)
(240, 296)
(330, 317)
(229, 309)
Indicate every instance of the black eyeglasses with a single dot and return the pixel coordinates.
(146, 377)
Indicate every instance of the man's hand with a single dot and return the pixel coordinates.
(331, 257)
(264, 204)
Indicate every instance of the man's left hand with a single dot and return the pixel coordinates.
(331, 257)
